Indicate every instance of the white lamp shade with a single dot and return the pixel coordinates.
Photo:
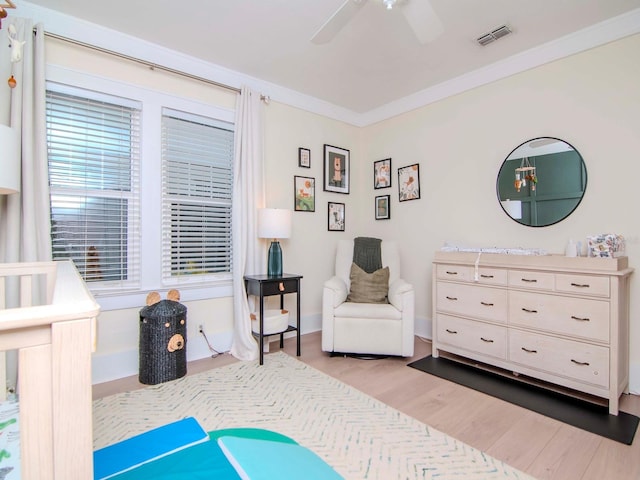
(513, 208)
(9, 160)
(274, 223)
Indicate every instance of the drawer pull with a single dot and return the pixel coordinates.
(580, 319)
(281, 286)
(529, 280)
(580, 363)
(451, 298)
(488, 340)
(486, 304)
(529, 311)
(529, 351)
(451, 273)
(454, 332)
(580, 285)
(486, 276)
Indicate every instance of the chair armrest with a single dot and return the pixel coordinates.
(398, 291)
(337, 289)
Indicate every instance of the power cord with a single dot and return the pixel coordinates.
(215, 353)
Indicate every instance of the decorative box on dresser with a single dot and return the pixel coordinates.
(561, 320)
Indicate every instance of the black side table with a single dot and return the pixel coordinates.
(264, 286)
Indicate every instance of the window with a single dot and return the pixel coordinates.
(94, 157)
(197, 179)
(141, 186)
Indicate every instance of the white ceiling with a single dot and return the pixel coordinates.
(374, 60)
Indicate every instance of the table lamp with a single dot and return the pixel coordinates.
(9, 161)
(274, 223)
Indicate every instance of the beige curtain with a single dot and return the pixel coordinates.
(25, 216)
(248, 196)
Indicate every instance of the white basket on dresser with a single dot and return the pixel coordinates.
(561, 320)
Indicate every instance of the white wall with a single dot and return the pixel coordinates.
(310, 250)
(286, 130)
(590, 100)
(118, 329)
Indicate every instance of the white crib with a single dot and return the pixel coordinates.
(54, 343)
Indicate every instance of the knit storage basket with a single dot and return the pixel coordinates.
(163, 342)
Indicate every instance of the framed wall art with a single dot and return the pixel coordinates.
(335, 213)
(336, 169)
(304, 189)
(409, 182)
(383, 207)
(382, 173)
(304, 157)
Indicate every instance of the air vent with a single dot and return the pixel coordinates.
(494, 35)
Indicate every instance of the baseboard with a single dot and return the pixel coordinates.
(115, 365)
(125, 363)
(423, 327)
(634, 378)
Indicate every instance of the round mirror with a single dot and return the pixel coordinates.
(541, 182)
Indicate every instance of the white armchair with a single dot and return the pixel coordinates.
(368, 328)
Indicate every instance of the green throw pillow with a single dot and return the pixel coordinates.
(368, 287)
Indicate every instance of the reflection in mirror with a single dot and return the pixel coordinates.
(541, 182)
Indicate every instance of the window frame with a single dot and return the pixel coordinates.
(131, 196)
(153, 101)
(168, 198)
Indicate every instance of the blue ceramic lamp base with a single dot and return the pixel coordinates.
(274, 260)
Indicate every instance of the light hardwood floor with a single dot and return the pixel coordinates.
(532, 443)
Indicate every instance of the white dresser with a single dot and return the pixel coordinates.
(561, 320)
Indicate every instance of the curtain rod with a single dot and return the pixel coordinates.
(151, 65)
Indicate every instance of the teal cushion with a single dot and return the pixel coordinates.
(258, 459)
(204, 461)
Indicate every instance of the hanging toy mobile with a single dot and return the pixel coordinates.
(3, 12)
(14, 44)
(16, 52)
(525, 172)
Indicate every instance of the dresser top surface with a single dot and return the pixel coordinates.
(609, 266)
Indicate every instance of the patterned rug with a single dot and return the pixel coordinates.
(359, 436)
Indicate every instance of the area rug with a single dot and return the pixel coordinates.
(587, 416)
(359, 436)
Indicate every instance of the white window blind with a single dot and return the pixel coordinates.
(197, 176)
(94, 158)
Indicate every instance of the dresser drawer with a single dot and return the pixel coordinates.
(472, 301)
(531, 279)
(583, 284)
(583, 318)
(473, 336)
(462, 273)
(565, 358)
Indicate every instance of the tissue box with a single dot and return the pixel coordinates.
(275, 321)
(605, 245)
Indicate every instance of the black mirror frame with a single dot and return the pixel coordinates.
(568, 213)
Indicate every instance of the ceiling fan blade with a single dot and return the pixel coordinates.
(337, 21)
(423, 20)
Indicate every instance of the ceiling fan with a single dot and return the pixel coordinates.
(419, 14)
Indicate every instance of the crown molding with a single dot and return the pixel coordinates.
(596, 35)
(86, 32)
